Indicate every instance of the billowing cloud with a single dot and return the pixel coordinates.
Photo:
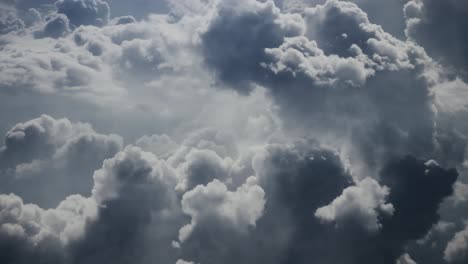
(457, 248)
(214, 203)
(84, 12)
(56, 26)
(222, 131)
(362, 202)
(439, 27)
(45, 159)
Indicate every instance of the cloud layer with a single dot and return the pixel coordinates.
(223, 131)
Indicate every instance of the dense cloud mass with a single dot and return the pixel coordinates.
(439, 26)
(233, 131)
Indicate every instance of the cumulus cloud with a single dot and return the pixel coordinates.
(9, 22)
(137, 189)
(457, 248)
(213, 202)
(84, 12)
(254, 26)
(47, 66)
(438, 27)
(287, 131)
(28, 232)
(405, 259)
(417, 190)
(363, 202)
(45, 159)
(56, 26)
(347, 79)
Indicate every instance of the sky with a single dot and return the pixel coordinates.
(233, 131)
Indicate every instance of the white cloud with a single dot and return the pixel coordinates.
(360, 204)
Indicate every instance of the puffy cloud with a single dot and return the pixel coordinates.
(405, 259)
(417, 190)
(180, 261)
(201, 167)
(133, 186)
(9, 22)
(254, 26)
(84, 12)
(347, 79)
(124, 20)
(45, 159)
(160, 145)
(228, 182)
(50, 66)
(460, 192)
(457, 248)
(135, 192)
(301, 56)
(450, 96)
(56, 26)
(439, 27)
(360, 204)
(28, 232)
(271, 211)
(213, 203)
(298, 179)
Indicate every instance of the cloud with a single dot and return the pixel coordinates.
(9, 22)
(28, 232)
(212, 203)
(160, 145)
(134, 191)
(45, 159)
(264, 131)
(47, 66)
(201, 167)
(56, 26)
(405, 259)
(84, 12)
(417, 190)
(125, 20)
(456, 249)
(438, 27)
(346, 78)
(134, 203)
(254, 26)
(360, 204)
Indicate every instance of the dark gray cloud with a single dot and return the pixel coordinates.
(366, 222)
(9, 22)
(84, 12)
(238, 32)
(125, 20)
(439, 26)
(265, 131)
(56, 26)
(342, 74)
(417, 190)
(134, 190)
(134, 204)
